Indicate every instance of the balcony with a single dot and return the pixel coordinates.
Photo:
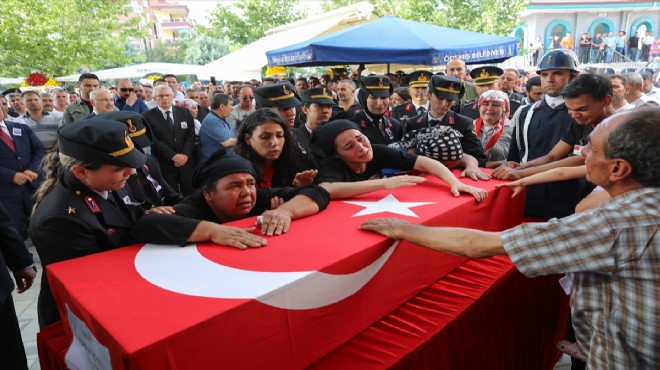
(176, 23)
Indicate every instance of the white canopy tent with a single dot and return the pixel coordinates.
(139, 70)
(5, 80)
(247, 62)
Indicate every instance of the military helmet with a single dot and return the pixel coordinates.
(559, 59)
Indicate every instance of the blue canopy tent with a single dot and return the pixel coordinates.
(394, 40)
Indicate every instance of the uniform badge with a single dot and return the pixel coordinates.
(16, 132)
(380, 81)
(91, 204)
(131, 128)
(363, 124)
(286, 92)
(111, 230)
(408, 106)
(451, 120)
(537, 105)
(71, 210)
(184, 125)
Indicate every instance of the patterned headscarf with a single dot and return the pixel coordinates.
(496, 95)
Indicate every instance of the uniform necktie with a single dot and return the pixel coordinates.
(421, 110)
(7, 140)
(434, 122)
(170, 122)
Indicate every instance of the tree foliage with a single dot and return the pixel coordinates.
(202, 49)
(246, 21)
(496, 17)
(59, 37)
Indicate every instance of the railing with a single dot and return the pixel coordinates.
(587, 56)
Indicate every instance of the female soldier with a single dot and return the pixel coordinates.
(83, 209)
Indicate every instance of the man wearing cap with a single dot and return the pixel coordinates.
(228, 192)
(83, 208)
(445, 91)
(174, 140)
(418, 83)
(508, 81)
(374, 98)
(539, 128)
(215, 131)
(82, 107)
(317, 106)
(485, 78)
(346, 99)
(21, 153)
(281, 97)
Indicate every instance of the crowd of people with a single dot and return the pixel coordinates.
(604, 47)
(107, 167)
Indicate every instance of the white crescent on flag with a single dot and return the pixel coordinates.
(186, 271)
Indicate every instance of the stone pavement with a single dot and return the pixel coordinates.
(26, 310)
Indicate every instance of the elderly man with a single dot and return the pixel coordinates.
(102, 101)
(634, 89)
(174, 138)
(243, 108)
(82, 107)
(127, 99)
(611, 253)
(42, 123)
(418, 83)
(508, 81)
(456, 68)
(215, 131)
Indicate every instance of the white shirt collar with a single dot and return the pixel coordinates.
(554, 101)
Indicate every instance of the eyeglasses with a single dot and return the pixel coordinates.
(248, 98)
(127, 89)
(168, 96)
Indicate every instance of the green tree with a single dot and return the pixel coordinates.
(496, 17)
(248, 20)
(163, 53)
(202, 49)
(58, 37)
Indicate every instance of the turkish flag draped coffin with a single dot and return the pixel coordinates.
(279, 307)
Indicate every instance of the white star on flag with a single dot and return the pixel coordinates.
(388, 204)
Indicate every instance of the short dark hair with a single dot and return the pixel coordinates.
(170, 75)
(218, 100)
(597, 86)
(646, 76)
(620, 78)
(88, 76)
(29, 92)
(404, 93)
(534, 81)
(636, 141)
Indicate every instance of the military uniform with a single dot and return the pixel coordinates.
(304, 133)
(379, 129)
(469, 142)
(411, 109)
(73, 220)
(515, 101)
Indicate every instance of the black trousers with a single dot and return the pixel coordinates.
(12, 352)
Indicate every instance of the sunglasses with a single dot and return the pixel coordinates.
(126, 89)
(248, 98)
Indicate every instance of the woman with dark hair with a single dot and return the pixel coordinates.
(266, 141)
(400, 95)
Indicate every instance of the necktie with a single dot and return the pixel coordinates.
(7, 140)
(421, 110)
(434, 122)
(170, 122)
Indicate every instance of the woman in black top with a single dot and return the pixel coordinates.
(267, 141)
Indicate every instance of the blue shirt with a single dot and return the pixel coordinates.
(214, 130)
(139, 106)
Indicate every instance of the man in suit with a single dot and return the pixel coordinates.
(15, 256)
(102, 101)
(20, 156)
(444, 92)
(174, 140)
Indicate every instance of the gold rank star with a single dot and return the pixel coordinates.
(71, 210)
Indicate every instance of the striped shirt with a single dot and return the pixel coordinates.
(612, 255)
